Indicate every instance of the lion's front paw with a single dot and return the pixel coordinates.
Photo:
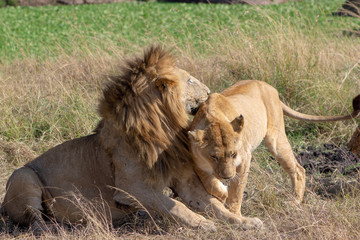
(251, 223)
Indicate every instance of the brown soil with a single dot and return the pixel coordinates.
(332, 170)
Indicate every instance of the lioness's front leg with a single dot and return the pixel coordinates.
(237, 186)
(212, 185)
(236, 191)
(191, 190)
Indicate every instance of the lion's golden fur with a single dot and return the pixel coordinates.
(148, 120)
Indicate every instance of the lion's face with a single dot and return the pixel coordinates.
(216, 148)
(194, 92)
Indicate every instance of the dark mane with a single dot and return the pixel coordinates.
(151, 118)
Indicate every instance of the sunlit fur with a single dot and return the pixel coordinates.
(229, 126)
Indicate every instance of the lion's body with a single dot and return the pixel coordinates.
(229, 126)
(140, 146)
(78, 166)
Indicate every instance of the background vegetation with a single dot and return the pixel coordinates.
(54, 59)
(50, 30)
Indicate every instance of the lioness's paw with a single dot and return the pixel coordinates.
(221, 197)
(207, 225)
(251, 223)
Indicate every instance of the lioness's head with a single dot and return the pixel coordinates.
(216, 148)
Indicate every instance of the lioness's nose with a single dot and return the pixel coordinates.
(227, 176)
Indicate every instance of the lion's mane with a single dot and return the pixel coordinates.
(143, 106)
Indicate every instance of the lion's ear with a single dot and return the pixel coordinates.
(163, 82)
(196, 136)
(238, 123)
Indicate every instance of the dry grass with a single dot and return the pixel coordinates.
(266, 197)
(47, 102)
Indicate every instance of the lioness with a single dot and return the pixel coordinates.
(230, 125)
(140, 146)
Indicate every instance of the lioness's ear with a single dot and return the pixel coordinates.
(196, 136)
(163, 82)
(238, 123)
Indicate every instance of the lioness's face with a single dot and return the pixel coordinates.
(216, 149)
(194, 92)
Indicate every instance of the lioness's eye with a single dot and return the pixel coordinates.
(190, 80)
(233, 155)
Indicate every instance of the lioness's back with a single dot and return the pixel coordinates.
(252, 88)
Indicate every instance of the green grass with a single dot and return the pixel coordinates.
(50, 30)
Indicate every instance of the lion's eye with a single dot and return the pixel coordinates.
(215, 158)
(233, 155)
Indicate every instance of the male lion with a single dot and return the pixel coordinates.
(230, 125)
(139, 147)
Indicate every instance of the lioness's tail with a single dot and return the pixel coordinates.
(312, 118)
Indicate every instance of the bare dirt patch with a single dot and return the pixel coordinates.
(333, 170)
